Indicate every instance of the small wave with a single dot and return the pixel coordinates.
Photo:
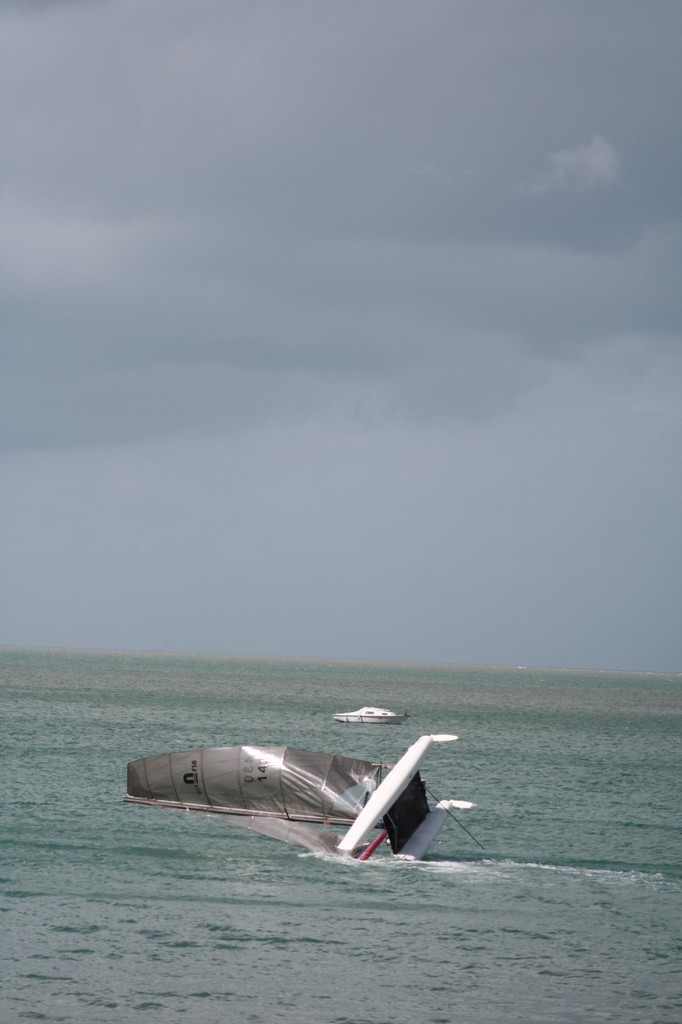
(507, 868)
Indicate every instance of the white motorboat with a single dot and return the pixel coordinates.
(371, 716)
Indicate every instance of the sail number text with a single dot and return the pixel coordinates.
(253, 772)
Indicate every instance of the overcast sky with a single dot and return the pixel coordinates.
(343, 329)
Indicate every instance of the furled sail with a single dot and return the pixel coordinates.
(272, 782)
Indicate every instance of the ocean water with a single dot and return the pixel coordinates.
(570, 913)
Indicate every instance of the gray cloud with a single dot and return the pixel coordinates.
(403, 279)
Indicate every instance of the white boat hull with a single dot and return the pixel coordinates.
(371, 716)
(372, 719)
(388, 791)
(419, 842)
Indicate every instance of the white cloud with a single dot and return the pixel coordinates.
(579, 168)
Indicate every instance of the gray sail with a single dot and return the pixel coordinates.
(280, 782)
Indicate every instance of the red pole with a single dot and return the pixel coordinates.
(369, 850)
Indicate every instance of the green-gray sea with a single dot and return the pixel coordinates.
(571, 913)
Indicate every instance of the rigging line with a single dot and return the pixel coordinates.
(461, 825)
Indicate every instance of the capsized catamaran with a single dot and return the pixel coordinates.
(297, 795)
